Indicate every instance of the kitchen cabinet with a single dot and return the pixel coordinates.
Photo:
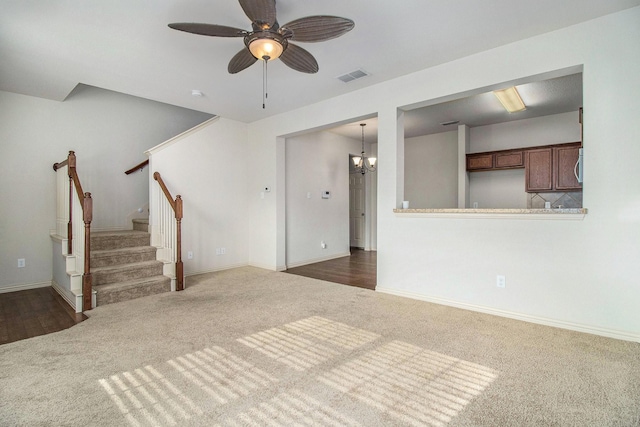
(551, 169)
(538, 170)
(564, 159)
(508, 160)
(477, 162)
(495, 160)
(547, 168)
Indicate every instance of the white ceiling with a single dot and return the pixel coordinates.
(48, 47)
(541, 97)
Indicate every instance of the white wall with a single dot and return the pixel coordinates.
(455, 261)
(431, 171)
(498, 189)
(506, 189)
(316, 162)
(206, 167)
(109, 132)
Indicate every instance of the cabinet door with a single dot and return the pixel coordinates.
(479, 161)
(538, 170)
(513, 159)
(564, 160)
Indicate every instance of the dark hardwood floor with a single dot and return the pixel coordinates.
(26, 314)
(359, 269)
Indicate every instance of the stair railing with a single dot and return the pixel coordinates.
(169, 230)
(78, 233)
(137, 167)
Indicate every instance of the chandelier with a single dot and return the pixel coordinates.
(364, 164)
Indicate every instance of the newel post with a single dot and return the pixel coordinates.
(71, 163)
(179, 266)
(87, 282)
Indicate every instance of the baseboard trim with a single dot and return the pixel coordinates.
(594, 330)
(215, 270)
(66, 295)
(313, 261)
(24, 287)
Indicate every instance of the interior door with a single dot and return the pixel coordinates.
(356, 210)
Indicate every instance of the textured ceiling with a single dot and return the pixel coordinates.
(48, 47)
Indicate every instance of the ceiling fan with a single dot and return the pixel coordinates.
(268, 40)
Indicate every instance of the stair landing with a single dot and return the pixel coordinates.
(124, 266)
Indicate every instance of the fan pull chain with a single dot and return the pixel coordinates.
(265, 95)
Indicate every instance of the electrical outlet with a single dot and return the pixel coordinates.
(501, 281)
(21, 262)
(223, 251)
(189, 255)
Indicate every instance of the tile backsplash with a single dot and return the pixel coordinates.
(557, 200)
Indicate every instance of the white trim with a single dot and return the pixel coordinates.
(215, 270)
(24, 287)
(68, 296)
(313, 261)
(589, 329)
(177, 138)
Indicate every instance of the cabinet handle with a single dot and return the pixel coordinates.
(575, 169)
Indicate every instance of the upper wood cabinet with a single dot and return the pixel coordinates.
(495, 160)
(538, 170)
(477, 162)
(509, 159)
(552, 168)
(565, 159)
(547, 168)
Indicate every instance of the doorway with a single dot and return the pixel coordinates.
(357, 213)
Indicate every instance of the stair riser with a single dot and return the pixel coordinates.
(140, 226)
(125, 258)
(105, 277)
(113, 296)
(103, 243)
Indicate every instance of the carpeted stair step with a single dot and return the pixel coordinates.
(126, 272)
(106, 240)
(131, 289)
(112, 257)
(141, 224)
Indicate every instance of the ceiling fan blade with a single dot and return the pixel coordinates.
(261, 12)
(317, 28)
(240, 61)
(299, 59)
(208, 29)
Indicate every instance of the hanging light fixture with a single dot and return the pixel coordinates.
(364, 164)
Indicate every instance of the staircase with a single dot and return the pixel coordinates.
(124, 265)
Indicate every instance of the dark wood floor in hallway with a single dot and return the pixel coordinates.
(33, 312)
(359, 269)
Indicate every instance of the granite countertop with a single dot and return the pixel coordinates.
(580, 211)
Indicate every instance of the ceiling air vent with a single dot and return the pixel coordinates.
(349, 77)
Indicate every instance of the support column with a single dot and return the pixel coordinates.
(463, 176)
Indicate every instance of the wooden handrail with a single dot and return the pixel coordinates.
(57, 166)
(176, 205)
(87, 216)
(139, 166)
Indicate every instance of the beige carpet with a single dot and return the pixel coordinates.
(250, 347)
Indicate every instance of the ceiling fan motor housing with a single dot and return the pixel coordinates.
(267, 45)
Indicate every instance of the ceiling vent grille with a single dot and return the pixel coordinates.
(354, 75)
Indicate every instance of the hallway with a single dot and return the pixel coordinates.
(358, 270)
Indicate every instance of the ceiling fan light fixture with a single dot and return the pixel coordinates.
(510, 99)
(266, 46)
